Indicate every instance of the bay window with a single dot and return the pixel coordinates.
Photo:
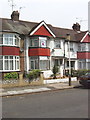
(9, 39)
(9, 63)
(38, 42)
(39, 62)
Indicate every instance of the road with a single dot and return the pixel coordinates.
(70, 103)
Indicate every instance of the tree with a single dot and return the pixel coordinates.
(55, 71)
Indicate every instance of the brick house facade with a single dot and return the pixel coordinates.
(28, 45)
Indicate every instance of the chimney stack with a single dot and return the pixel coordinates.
(15, 16)
(76, 27)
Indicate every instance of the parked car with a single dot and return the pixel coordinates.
(85, 80)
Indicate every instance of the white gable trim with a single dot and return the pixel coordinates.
(84, 36)
(42, 23)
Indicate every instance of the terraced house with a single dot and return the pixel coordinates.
(29, 45)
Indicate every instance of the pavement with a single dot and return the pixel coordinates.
(37, 89)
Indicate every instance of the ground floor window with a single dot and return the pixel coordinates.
(39, 62)
(44, 64)
(84, 64)
(9, 63)
(72, 64)
(33, 62)
(58, 62)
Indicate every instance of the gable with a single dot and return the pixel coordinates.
(86, 39)
(42, 31)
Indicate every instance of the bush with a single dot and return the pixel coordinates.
(78, 73)
(12, 75)
(34, 74)
(55, 71)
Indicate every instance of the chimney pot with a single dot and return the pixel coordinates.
(76, 27)
(15, 16)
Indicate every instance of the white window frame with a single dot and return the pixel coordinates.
(32, 42)
(44, 41)
(57, 42)
(39, 41)
(12, 37)
(15, 60)
(71, 47)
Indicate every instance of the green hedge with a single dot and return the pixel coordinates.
(34, 74)
(78, 73)
(12, 75)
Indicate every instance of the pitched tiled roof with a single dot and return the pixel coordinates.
(21, 27)
(25, 27)
(79, 36)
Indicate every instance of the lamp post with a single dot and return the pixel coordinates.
(68, 38)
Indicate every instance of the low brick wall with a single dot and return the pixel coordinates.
(59, 80)
(21, 83)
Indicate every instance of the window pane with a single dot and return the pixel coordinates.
(36, 64)
(32, 64)
(17, 65)
(10, 41)
(16, 40)
(6, 40)
(1, 39)
(1, 57)
(6, 57)
(57, 44)
(11, 64)
(6, 65)
(1, 64)
(11, 57)
(44, 64)
(34, 42)
(43, 43)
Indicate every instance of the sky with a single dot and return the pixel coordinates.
(58, 13)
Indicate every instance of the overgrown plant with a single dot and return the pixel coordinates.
(55, 71)
(34, 74)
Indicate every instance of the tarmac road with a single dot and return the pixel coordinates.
(69, 103)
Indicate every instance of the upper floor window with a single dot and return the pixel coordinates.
(42, 41)
(9, 39)
(38, 42)
(71, 46)
(57, 44)
(34, 42)
(84, 47)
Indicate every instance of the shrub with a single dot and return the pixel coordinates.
(78, 73)
(34, 74)
(55, 71)
(12, 75)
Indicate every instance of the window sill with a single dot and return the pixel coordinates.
(9, 70)
(9, 45)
